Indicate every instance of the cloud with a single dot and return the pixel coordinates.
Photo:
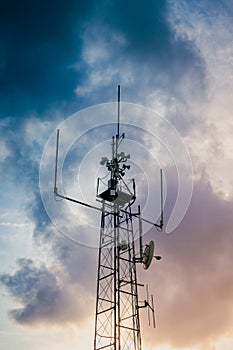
(194, 280)
(208, 26)
(4, 150)
(87, 52)
(180, 291)
(33, 287)
(43, 295)
(175, 56)
(137, 48)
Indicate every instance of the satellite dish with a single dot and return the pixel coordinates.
(148, 255)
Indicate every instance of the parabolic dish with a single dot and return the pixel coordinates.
(148, 255)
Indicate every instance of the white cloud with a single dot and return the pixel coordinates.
(4, 150)
(98, 42)
(211, 141)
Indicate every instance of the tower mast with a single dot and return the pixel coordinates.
(117, 322)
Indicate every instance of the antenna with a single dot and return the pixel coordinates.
(148, 255)
(150, 307)
(118, 111)
(161, 198)
(56, 161)
(140, 233)
(147, 303)
(117, 321)
(153, 310)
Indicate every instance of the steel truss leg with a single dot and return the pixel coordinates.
(117, 325)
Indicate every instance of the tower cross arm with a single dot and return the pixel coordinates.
(78, 202)
(160, 225)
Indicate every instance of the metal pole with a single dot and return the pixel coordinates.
(161, 197)
(56, 160)
(118, 112)
(140, 232)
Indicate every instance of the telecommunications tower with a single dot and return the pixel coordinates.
(121, 248)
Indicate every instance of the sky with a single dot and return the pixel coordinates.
(60, 64)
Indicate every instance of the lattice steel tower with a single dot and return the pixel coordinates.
(117, 322)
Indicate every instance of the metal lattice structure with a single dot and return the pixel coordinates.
(117, 322)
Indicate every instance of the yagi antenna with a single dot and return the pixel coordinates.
(147, 304)
(153, 310)
(150, 306)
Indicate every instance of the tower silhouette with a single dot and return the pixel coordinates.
(117, 319)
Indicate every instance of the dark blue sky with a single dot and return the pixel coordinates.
(40, 41)
(42, 45)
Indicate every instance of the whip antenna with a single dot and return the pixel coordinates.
(118, 111)
(161, 198)
(56, 161)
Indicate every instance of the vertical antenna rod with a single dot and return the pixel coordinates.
(55, 175)
(118, 111)
(161, 198)
(140, 233)
(153, 310)
(147, 303)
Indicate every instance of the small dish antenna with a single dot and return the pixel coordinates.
(148, 255)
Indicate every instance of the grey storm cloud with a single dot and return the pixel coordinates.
(42, 295)
(36, 288)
